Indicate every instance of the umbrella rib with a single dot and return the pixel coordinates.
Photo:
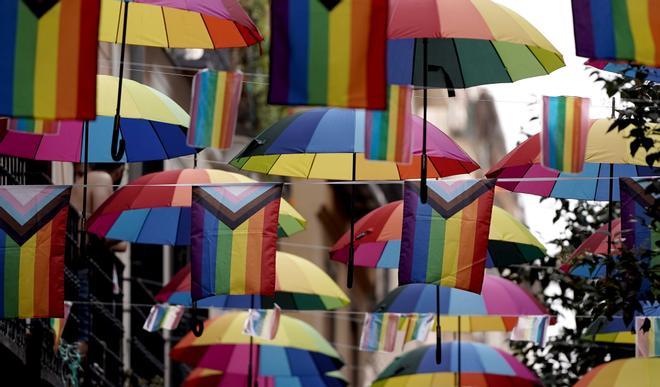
(311, 165)
(160, 140)
(458, 59)
(537, 59)
(167, 36)
(501, 61)
(207, 30)
(137, 238)
(273, 165)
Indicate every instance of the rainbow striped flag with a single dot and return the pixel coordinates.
(564, 133)
(215, 99)
(58, 324)
(32, 238)
(637, 230)
(445, 241)
(388, 134)
(647, 340)
(48, 50)
(162, 316)
(532, 329)
(234, 238)
(262, 323)
(618, 29)
(418, 326)
(28, 125)
(380, 332)
(328, 53)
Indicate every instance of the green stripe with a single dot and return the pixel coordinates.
(625, 46)
(560, 132)
(383, 119)
(223, 259)
(436, 248)
(317, 70)
(12, 272)
(24, 61)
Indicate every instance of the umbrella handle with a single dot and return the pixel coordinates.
(198, 325)
(118, 147)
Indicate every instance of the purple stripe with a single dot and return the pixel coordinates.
(582, 28)
(408, 233)
(196, 243)
(279, 52)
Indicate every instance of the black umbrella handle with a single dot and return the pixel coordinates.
(118, 146)
(438, 330)
(197, 325)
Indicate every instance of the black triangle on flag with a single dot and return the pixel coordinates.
(330, 4)
(40, 7)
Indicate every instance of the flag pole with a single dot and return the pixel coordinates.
(249, 379)
(423, 194)
(610, 210)
(438, 331)
(351, 247)
(459, 350)
(83, 220)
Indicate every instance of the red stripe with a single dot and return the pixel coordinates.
(484, 210)
(269, 247)
(56, 270)
(376, 76)
(40, 304)
(68, 57)
(254, 255)
(87, 62)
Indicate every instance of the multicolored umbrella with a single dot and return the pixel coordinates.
(496, 309)
(378, 239)
(153, 127)
(466, 364)
(329, 144)
(638, 372)
(460, 44)
(607, 156)
(595, 244)
(300, 285)
(204, 377)
(627, 70)
(615, 330)
(179, 24)
(155, 208)
(297, 348)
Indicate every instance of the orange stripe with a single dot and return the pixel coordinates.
(68, 58)
(401, 121)
(42, 271)
(226, 109)
(466, 250)
(253, 259)
(576, 134)
(357, 84)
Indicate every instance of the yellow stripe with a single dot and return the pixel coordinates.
(640, 26)
(393, 118)
(568, 133)
(451, 248)
(218, 109)
(45, 72)
(339, 53)
(26, 278)
(238, 254)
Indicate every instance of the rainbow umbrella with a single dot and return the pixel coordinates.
(496, 309)
(378, 239)
(300, 285)
(607, 156)
(173, 24)
(627, 70)
(615, 330)
(155, 208)
(638, 372)
(466, 364)
(204, 377)
(595, 244)
(153, 127)
(462, 43)
(329, 144)
(296, 350)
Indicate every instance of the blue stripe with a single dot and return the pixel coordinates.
(298, 56)
(400, 57)
(376, 135)
(603, 28)
(8, 19)
(205, 95)
(552, 129)
(421, 238)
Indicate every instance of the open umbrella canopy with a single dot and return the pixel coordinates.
(323, 144)
(470, 43)
(607, 156)
(299, 285)
(480, 365)
(204, 377)
(179, 23)
(638, 372)
(616, 330)
(495, 309)
(155, 208)
(296, 349)
(378, 239)
(595, 244)
(152, 125)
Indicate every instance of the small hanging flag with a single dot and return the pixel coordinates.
(49, 54)
(617, 29)
(32, 241)
(564, 133)
(162, 316)
(637, 201)
(58, 324)
(419, 326)
(328, 55)
(388, 134)
(262, 323)
(234, 239)
(445, 242)
(647, 340)
(531, 328)
(27, 125)
(380, 332)
(215, 99)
